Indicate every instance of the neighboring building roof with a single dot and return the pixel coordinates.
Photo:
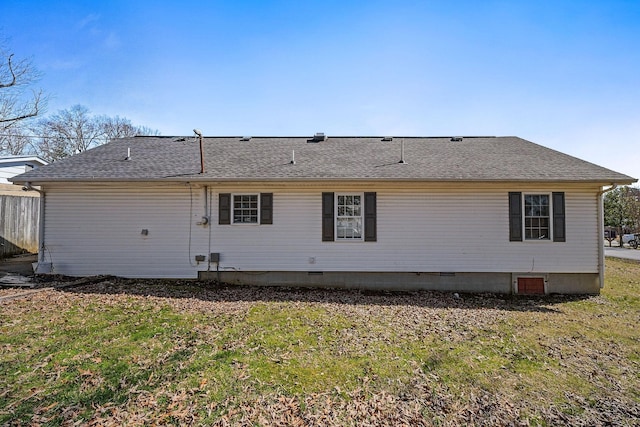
(11, 166)
(23, 159)
(154, 158)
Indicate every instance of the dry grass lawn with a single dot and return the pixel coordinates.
(126, 352)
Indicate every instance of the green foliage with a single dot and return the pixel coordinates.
(622, 208)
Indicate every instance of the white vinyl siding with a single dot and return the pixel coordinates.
(417, 232)
(11, 170)
(97, 230)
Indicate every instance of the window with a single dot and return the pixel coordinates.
(245, 208)
(349, 217)
(537, 217)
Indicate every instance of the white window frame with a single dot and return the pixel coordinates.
(233, 208)
(549, 236)
(337, 217)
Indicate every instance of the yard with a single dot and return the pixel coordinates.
(131, 352)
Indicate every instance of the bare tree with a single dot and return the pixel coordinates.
(15, 76)
(16, 141)
(17, 103)
(147, 131)
(75, 130)
(66, 133)
(120, 127)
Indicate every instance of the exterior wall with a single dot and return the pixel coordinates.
(10, 167)
(421, 229)
(428, 231)
(11, 170)
(98, 230)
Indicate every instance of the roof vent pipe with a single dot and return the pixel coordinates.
(128, 154)
(402, 162)
(293, 157)
(199, 133)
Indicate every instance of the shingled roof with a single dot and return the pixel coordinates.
(155, 158)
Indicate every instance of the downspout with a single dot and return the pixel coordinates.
(601, 231)
(43, 199)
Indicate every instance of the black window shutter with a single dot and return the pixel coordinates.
(559, 234)
(266, 208)
(327, 217)
(224, 208)
(370, 220)
(515, 217)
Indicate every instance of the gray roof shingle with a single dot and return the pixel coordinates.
(156, 158)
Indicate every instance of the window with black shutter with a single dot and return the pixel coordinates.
(537, 216)
(515, 217)
(559, 234)
(349, 217)
(327, 217)
(245, 208)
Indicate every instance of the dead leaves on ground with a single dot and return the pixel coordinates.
(374, 317)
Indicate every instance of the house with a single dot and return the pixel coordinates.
(467, 214)
(11, 166)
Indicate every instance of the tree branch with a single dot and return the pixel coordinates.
(13, 74)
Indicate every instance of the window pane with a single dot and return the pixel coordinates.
(245, 209)
(357, 228)
(349, 217)
(536, 216)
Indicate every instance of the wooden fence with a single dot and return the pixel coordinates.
(19, 216)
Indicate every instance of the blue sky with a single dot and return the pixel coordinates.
(564, 74)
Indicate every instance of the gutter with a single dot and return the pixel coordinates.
(601, 231)
(199, 177)
(43, 200)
